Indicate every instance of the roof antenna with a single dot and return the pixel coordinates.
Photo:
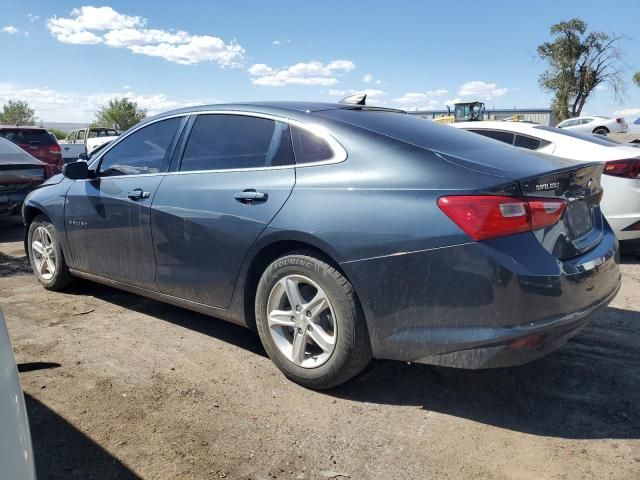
(357, 99)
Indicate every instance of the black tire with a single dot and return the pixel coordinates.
(601, 131)
(352, 351)
(61, 278)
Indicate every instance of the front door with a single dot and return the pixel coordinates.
(108, 217)
(236, 173)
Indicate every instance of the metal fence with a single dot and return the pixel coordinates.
(537, 115)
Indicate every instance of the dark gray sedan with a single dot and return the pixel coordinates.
(339, 232)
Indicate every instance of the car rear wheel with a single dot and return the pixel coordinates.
(601, 131)
(45, 255)
(310, 322)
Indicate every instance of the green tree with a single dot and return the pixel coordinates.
(578, 62)
(636, 78)
(120, 113)
(17, 112)
(59, 134)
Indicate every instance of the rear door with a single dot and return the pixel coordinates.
(108, 217)
(234, 174)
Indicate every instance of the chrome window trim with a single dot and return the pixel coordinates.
(339, 153)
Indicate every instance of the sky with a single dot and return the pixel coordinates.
(67, 58)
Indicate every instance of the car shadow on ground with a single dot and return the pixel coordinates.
(213, 327)
(61, 451)
(11, 229)
(588, 389)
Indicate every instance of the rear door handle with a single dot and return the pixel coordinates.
(138, 194)
(250, 196)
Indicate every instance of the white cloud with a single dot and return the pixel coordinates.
(69, 106)
(483, 90)
(367, 78)
(33, 18)
(10, 29)
(310, 73)
(429, 100)
(89, 25)
(280, 42)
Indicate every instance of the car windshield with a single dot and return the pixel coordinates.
(102, 133)
(598, 140)
(27, 136)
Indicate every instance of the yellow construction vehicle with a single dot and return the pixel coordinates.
(463, 112)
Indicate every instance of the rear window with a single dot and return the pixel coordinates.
(28, 136)
(308, 147)
(576, 135)
(102, 133)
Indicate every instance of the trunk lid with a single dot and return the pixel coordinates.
(581, 227)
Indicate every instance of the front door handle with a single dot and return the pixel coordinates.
(250, 196)
(138, 194)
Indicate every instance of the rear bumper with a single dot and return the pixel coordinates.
(518, 345)
(11, 203)
(467, 304)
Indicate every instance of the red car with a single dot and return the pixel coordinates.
(37, 142)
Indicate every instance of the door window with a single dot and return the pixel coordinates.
(228, 142)
(80, 136)
(72, 137)
(144, 151)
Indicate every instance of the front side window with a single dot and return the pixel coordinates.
(229, 142)
(72, 137)
(80, 135)
(144, 151)
(308, 147)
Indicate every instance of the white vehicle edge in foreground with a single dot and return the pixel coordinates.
(16, 453)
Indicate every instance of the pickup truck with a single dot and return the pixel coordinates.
(85, 141)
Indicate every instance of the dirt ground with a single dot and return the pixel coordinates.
(121, 387)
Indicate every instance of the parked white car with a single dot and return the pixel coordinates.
(85, 141)
(16, 453)
(621, 176)
(595, 124)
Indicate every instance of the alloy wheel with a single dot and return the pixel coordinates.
(44, 253)
(301, 321)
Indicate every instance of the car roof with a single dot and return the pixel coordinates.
(25, 127)
(296, 110)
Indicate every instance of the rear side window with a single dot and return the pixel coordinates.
(527, 142)
(308, 147)
(28, 136)
(504, 137)
(144, 151)
(580, 136)
(227, 142)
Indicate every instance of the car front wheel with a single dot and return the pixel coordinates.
(310, 322)
(45, 255)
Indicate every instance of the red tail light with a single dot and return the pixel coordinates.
(55, 149)
(623, 168)
(490, 216)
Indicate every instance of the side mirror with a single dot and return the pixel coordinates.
(83, 156)
(76, 170)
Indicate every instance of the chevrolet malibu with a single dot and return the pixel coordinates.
(339, 232)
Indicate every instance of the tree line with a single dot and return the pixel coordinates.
(578, 61)
(120, 113)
